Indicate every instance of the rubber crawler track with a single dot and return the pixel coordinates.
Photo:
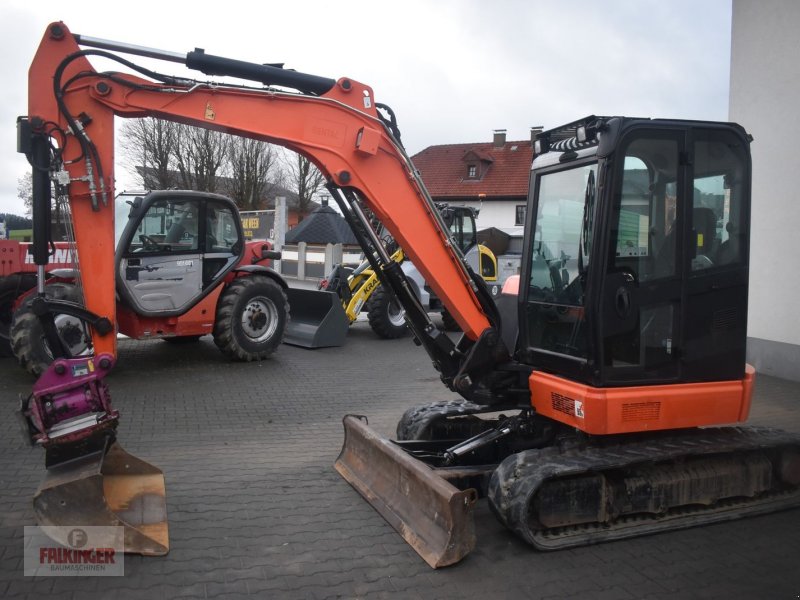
(518, 478)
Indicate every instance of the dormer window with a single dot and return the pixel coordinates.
(478, 163)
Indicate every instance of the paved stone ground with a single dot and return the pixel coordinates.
(257, 510)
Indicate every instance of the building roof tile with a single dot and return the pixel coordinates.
(505, 174)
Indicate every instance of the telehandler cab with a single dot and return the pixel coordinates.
(598, 419)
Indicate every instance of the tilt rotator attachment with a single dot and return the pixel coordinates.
(90, 479)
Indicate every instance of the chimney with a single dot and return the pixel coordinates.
(499, 138)
(535, 131)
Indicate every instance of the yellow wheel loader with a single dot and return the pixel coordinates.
(360, 288)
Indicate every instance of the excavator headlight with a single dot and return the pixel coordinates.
(541, 145)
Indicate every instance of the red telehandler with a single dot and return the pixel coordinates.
(183, 270)
(590, 402)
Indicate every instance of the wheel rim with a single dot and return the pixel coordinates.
(396, 314)
(72, 333)
(260, 319)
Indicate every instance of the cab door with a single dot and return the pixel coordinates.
(674, 291)
(642, 288)
(174, 250)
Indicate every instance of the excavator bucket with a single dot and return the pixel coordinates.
(432, 515)
(107, 488)
(317, 319)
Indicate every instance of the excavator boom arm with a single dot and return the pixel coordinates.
(335, 125)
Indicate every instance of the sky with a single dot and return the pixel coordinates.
(452, 70)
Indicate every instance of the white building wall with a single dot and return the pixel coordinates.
(764, 92)
(499, 214)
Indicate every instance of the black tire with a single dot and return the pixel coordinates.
(431, 422)
(251, 318)
(386, 317)
(11, 288)
(448, 322)
(27, 337)
(179, 340)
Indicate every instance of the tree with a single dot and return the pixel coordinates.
(168, 155)
(25, 191)
(303, 178)
(152, 143)
(200, 155)
(14, 222)
(250, 163)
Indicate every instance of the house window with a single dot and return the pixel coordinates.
(472, 171)
(520, 218)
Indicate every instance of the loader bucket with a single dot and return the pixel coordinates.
(432, 515)
(317, 319)
(107, 488)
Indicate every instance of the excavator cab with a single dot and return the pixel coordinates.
(632, 309)
(636, 257)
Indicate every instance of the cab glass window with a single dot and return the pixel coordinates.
(221, 231)
(169, 226)
(717, 198)
(559, 260)
(645, 239)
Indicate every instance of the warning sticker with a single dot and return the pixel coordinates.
(579, 409)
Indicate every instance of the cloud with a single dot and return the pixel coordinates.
(452, 70)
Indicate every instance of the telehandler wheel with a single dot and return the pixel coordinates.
(386, 316)
(251, 318)
(27, 337)
(11, 288)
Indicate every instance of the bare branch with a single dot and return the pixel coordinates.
(303, 178)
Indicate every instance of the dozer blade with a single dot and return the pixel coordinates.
(317, 319)
(432, 515)
(107, 488)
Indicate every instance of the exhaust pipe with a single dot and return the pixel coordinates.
(431, 514)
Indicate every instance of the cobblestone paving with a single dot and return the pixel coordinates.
(257, 510)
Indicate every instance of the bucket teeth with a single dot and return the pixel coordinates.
(108, 487)
(432, 515)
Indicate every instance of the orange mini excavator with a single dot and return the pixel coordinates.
(590, 402)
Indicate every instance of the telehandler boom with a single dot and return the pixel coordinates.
(626, 338)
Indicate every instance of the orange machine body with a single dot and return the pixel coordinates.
(605, 411)
(199, 320)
